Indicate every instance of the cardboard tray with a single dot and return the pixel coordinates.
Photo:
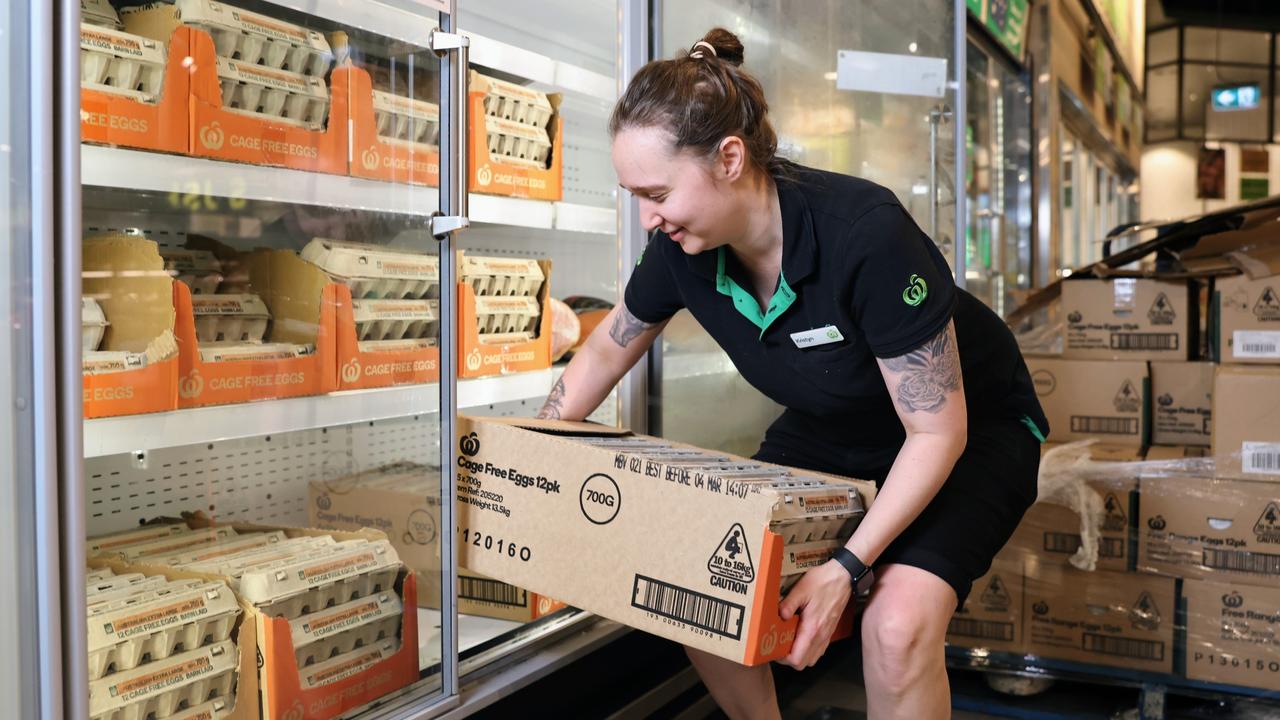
(376, 158)
(486, 175)
(110, 119)
(359, 370)
(477, 359)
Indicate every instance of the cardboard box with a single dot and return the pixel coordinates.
(1053, 531)
(1174, 453)
(114, 119)
(1210, 529)
(1246, 436)
(490, 176)
(360, 370)
(1119, 619)
(403, 501)
(1129, 319)
(377, 157)
(991, 618)
(477, 359)
(1232, 634)
(1182, 403)
(683, 555)
(1245, 320)
(1084, 399)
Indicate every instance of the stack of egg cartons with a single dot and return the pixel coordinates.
(268, 68)
(516, 121)
(115, 61)
(394, 292)
(405, 119)
(813, 516)
(506, 291)
(158, 648)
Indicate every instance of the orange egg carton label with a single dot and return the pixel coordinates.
(360, 370)
(115, 118)
(219, 132)
(284, 695)
(380, 157)
(220, 383)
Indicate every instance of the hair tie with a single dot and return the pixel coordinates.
(696, 53)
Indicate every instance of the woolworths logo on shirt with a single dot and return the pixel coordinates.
(917, 290)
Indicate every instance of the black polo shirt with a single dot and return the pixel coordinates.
(859, 280)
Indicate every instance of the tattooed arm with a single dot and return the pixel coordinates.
(614, 346)
(928, 392)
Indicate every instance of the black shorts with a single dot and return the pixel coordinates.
(972, 516)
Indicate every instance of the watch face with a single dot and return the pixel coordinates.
(864, 582)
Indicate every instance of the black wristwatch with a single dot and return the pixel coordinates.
(859, 573)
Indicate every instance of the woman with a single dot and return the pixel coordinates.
(831, 301)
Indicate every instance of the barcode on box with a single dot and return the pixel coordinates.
(984, 629)
(687, 606)
(1242, 561)
(1123, 646)
(1095, 425)
(1255, 344)
(491, 591)
(1057, 542)
(1260, 457)
(1144, 341)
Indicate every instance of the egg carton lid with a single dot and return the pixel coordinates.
(400, 345)
(360, 260)
(101, 362)
(230, 546)
(232, 565)
(290, 82)
(800, 557)
(347, 664)
(401, 105)
(520, 92)
(118, 43)
(480, 265)
(144, 616)
(239, 304)
(219, 14)
(150, 533)
(265, 585)
(316, 626)
(489, 305)
(240, 351)
(195, 261)
(503, 126)
(165, 546)
(153, 678)
(373, 310)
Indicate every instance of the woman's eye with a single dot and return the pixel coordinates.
(658, 198)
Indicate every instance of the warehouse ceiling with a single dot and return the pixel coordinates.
(1239, 14)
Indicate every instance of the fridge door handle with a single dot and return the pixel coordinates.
(443, 43)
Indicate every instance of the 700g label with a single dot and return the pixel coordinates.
(486, 541)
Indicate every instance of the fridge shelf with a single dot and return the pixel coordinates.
(114, 435)
(191, 179)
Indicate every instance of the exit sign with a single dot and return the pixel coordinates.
(1236, 97)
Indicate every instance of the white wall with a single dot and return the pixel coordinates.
(1168, 177)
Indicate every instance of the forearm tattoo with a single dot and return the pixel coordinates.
(928, 374)
(626, 327)
(555, 402)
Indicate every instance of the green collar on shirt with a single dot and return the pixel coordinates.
(746, 303)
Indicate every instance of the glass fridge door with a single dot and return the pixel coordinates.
(815, 67)
(267, 311)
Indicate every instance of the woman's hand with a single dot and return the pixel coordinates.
(820, 598)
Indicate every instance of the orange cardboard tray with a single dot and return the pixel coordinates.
(109, 119)
(238, 381)
(373, 157)
(476, 359)
(485, 175)
(151, 389)
(358, 370)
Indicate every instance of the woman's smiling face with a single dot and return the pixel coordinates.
(679, 192)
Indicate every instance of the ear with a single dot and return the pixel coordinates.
(732, 160)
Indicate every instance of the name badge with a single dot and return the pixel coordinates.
(817, 336)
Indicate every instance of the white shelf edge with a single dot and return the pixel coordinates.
(129, 433)
(138, 170)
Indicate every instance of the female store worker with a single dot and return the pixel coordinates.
(831, 301)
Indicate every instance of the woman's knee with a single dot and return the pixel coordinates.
(904, 627)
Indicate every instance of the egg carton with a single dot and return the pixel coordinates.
(347, 664)
(240, 351)
(154, 627)
(338, 574)
(825, 527)
(404, 345)
(157, 586)
(93, 324)
(102, 362)
(230, 318)
(100, 13)
(517, 144)
(161, 689)
(232, 546)
(200, 270)
(166, 545)
(119, 63)
(114, 582)
(396, 319)
(212, 710)
(405, 119)
(500, 277)
(341, 629)
(800, 558)
(257, 39)
(233, 567)
(809, 499)
(273, 95)
(506, 338)
(374, 271)
(507, 314)
(517, 103)
(91, 576)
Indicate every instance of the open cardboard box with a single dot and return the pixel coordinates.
(301, 300)
(110, 119)
(377, 158)
(635, 541)
(281, 693)
(126, 275)
(477, 359)
(360, 370)
(492, 177)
